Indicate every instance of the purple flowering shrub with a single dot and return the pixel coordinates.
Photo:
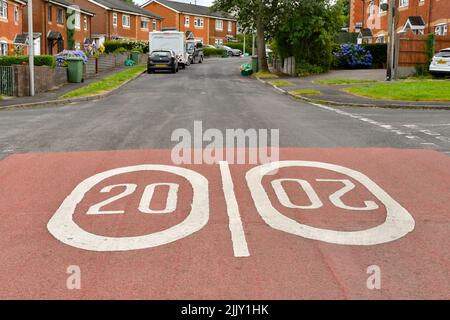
(353, 56)
(61, 58)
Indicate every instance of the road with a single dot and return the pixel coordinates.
(231, 246)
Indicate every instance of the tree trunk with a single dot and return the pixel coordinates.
(261, 42)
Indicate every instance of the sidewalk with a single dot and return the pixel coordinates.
(333, 94)
(58, 92)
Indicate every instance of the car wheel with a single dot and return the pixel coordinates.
(201, 60)
(230, 53)
(149, 71)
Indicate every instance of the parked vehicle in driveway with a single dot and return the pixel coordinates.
(441, 62)
(173, 41)
(195, 51)
(230, 51)
(162, 60)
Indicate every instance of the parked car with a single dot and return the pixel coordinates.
(170, 40)
(195, 51)
(441, 62)
(230, 51)
(162, 60)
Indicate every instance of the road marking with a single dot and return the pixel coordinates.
(240, 247)
(398, 223)
(63, 228)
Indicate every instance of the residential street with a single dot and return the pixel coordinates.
(56, 164)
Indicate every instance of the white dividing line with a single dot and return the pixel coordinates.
(240, 247)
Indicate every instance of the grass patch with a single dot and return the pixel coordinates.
(305, 92)
(343, 81)
(406, 91)
(266, 75)
(279, 83)
(106, 84)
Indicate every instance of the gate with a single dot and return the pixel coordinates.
(6, 81)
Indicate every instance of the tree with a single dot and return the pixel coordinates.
(261, 15)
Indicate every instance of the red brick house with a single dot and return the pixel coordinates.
(50, 23)
(10, 24)
(418, 16)
(116, 19)
(206, 26)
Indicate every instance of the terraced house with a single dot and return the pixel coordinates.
(10, 24)
(206, 26)
(51, 24)
(418, 16)
(116, 19)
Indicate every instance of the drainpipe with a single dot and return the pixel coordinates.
(430, 10)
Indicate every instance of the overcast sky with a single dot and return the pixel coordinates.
(200, 2)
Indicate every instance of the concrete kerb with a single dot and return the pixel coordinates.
(61, 102)
(388, 105)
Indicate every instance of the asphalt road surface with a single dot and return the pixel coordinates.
(90, 198)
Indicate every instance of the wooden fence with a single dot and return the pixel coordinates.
(413, 48)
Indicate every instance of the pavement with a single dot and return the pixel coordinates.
(334, 94)
(90, 191)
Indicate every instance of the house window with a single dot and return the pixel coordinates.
(230, 26)
(85, 22)
(125, 21)
(3, 48)
(381, 3)
(144, 23)
(77, 20)
(198, 23)
(3, 9)
(60, 16)
(49, 13)
(115, 19)
(219, 25)
(154, 25)
(441, 30)
(16, 14)
(381, 39)
(187, 21)
(371, 9)
(404, 3)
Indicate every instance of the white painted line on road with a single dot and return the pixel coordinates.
(240, 246)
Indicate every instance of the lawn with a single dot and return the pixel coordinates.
(305, 92)
(432, 90)
(343, 81)
(106, 84)
(266, 75)
(279, 83)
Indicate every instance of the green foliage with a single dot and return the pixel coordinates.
(431, 46)
(378, 52)
(44, 60)
(120, 50)
(113, 45)
(304, 68)
(213, 52)
(240, 46)
(70, 16)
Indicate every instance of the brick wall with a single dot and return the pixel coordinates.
(45, 78)
(9, 27)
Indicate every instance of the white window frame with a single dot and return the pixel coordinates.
(57, 16)
(16, 14)
(199, 23)
(219, 25)
(441, 29)
(404, 3)
(154, 25)
(77, 20)
(126, 18)
(85, 23)
(3, 48)
(381, 3)
(187, 21)
(114, 19)
(381, 39)
(371, 8)
(4, 9)
(230, 26)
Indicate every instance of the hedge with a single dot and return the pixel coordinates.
(44, 60)
(213, 52)
(379, 54)
(240, 46)
(113, 45)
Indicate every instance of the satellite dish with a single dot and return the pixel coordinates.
(384, 6)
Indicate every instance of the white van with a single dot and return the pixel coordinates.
(170, 40)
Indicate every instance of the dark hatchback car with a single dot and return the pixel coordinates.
(164, 60)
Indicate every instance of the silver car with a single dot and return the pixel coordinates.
(230, 51)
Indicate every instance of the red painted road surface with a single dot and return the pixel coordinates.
(219, 261)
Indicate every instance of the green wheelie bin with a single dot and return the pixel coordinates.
(75, 69)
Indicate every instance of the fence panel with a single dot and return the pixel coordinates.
(413, 48)
(6, 81)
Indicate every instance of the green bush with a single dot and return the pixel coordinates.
(112, 45)
(120, 50)
(303, 69)
(38, 60)
(240, 46)
(378, 52)
(213, 52)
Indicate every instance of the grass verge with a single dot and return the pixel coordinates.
(406, 90)
(106, 84)
(279, 83)
(343, 81)
(266, 75)
(305, 92)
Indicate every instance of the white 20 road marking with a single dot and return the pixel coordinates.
(398, 221)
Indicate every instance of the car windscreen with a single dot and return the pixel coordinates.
(157, 54)
(444, 54)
